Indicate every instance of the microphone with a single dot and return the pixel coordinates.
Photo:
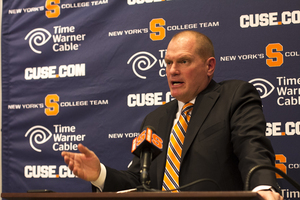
(146, 146)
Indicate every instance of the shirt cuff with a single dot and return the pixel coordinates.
(99, 183)
(263, 187)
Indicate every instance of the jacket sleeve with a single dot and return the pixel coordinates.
(122, 180)
(250, 144)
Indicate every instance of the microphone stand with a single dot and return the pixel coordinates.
(146, 157)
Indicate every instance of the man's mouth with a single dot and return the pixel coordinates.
(176, 83)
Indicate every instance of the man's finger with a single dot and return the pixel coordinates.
(67, 154)
(71, 165)
(67, 159)
(83, 149)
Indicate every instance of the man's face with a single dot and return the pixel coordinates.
(187, 73)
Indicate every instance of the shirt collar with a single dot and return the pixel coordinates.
(181, 104)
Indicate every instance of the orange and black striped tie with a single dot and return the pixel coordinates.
(171, 176)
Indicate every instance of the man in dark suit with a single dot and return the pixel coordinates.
(224, 138)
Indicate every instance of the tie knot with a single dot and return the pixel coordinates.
(188, 107)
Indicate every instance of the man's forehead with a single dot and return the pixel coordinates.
(170, 55)
(181, 47)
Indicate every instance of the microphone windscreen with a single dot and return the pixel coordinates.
(147, 139)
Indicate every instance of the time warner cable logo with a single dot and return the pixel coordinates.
(142, 61)
(39, 135)
(38, 37)
(65, 39)
(264, 87)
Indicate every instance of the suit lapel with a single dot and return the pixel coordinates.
(203, 105)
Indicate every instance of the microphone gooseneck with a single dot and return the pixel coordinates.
(146, 157)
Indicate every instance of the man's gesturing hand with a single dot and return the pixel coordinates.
(85, 165)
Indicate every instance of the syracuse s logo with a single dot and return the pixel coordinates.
(38, 37)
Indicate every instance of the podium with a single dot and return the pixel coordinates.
(135, 196)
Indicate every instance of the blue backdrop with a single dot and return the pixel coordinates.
(89, 71)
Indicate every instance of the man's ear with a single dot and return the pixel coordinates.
(211, 64)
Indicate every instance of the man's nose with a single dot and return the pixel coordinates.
(174, 69)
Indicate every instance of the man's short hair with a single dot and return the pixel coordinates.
(205, 48)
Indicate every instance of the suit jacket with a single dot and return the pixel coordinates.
(224, 140)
